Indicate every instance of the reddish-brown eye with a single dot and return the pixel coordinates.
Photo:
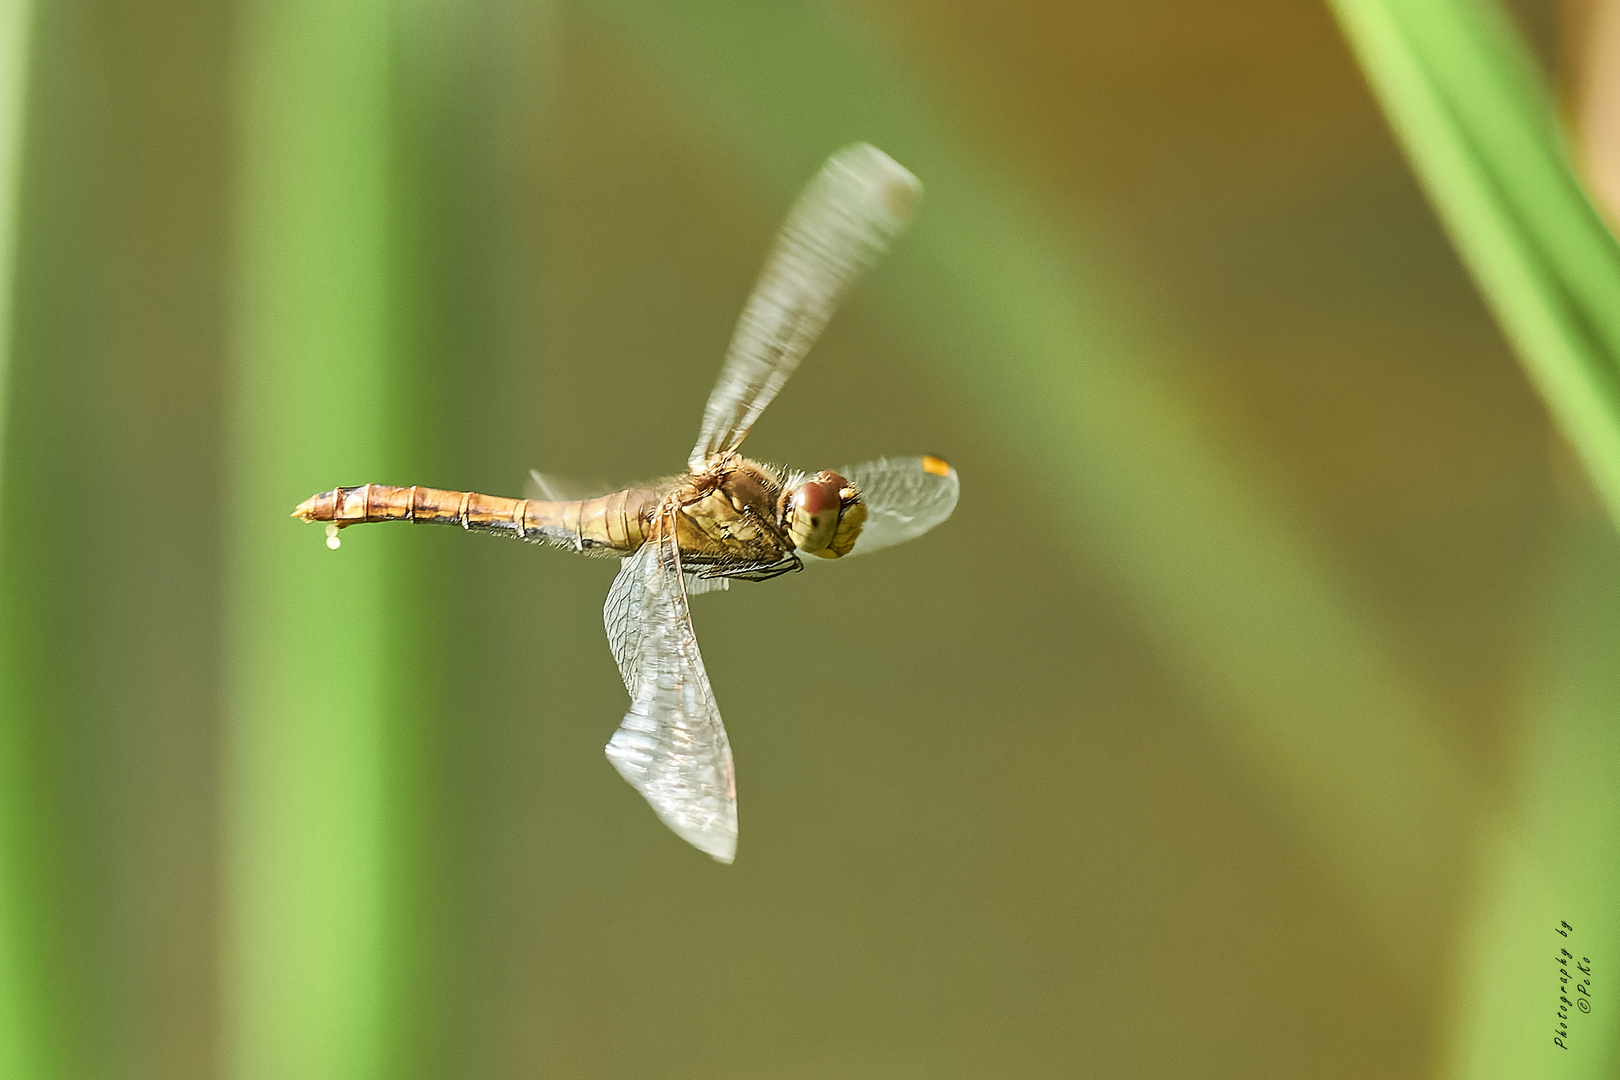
(813, 520)
(816, 496)
(827, 476)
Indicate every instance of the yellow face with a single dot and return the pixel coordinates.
(824, 515)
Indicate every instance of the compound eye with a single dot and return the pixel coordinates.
(814, 509)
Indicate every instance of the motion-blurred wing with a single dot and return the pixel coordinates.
(701, 586)
(904, 497)
(842, 222)
(671, 746)
(553, 488)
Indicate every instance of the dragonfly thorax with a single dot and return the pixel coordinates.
(738, 509)
(727, 514)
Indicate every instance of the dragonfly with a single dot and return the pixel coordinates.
(726, 518)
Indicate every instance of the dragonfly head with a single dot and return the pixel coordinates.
(823, 516)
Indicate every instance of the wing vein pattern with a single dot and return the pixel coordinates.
(904, 497)
(671, 745)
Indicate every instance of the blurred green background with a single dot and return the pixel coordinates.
(1253, 716)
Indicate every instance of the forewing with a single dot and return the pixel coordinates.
(671, 746)
(905, 497)
(554, 488)
(842, 222)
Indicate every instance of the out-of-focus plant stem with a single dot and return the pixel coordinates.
(24, 1036)
(314, 893)
(1477, 121)
(1475, 117)
(1549, 858)
(14, 33)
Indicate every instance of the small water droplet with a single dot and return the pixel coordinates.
(333, 542)
(331, 528)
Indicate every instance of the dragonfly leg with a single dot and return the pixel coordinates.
(754, 571)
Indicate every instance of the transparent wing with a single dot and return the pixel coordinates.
(846, 216)
(553, 488)
(905, 497)
(624, 613)
(671, 746)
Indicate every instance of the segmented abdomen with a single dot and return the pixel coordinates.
(615, 522)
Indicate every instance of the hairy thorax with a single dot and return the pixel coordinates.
(730, 513)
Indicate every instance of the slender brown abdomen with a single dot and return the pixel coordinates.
(616, 522)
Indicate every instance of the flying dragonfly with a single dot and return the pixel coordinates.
(726, 518)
